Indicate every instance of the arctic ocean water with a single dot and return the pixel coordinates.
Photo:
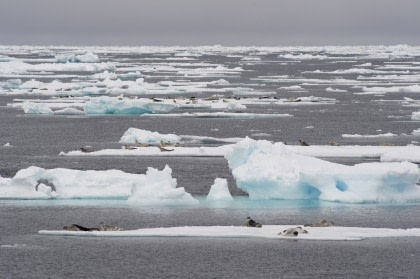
(37, 140)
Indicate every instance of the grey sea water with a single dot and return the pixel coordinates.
(37, 140)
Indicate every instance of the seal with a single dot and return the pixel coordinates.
(293, 231)
(75, 227)
(251, 223)
(322, 223)
(105, 227)
(303, 143)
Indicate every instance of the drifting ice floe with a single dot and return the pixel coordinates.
(74, 58)
(219, 191)
(115, 105)
(409, 154)
(266, 232)
(36, 108)
(134, 135)
(415, 115)
(69, 111)
(387, 135)
(268, 171)
(155, 187)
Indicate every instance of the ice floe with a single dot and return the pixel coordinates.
(36, 108)
(409, 154)
(155, 187)
(387, 135)
(134, 135)
(69, 111)
(115, 105)
(76, 58)
(268, 171)
(415, 115)
(266, 232)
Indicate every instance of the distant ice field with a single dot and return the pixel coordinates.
(375, 91)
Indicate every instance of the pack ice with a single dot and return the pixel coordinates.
(268, 171)
(116, 105)
(153, 188)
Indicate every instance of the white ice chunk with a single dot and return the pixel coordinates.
(219, 191)
(134, 135)
(74, 58)
(160, 188)
(36, 108)
(115, 105)
(415, 115)
(336, 90)
(155, 186)
(268, 171)
(69, 111)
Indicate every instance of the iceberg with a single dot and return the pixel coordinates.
(117, 105)
(268, 171)
(36, 108)
(219, 191)
(134, 135)
(155, 187)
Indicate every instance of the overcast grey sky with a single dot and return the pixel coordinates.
(205, 22)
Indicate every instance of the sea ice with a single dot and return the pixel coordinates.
(134, 135)
(159, 189)
(219, 191)
(266, 232)
(155, 187)
(268, 171)
(387, 135)
(74, 58)
(69, 111)
(415, 115)
(117, 105)
(36, 108)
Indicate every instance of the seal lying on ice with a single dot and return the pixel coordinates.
(251, 223)
(105, 227)
(102, 227)
(293, 231)
(322, 223)
(75, 227)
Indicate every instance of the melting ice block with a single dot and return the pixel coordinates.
(155, 187)
(219, 191)
(116, 105)
(268, 171)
